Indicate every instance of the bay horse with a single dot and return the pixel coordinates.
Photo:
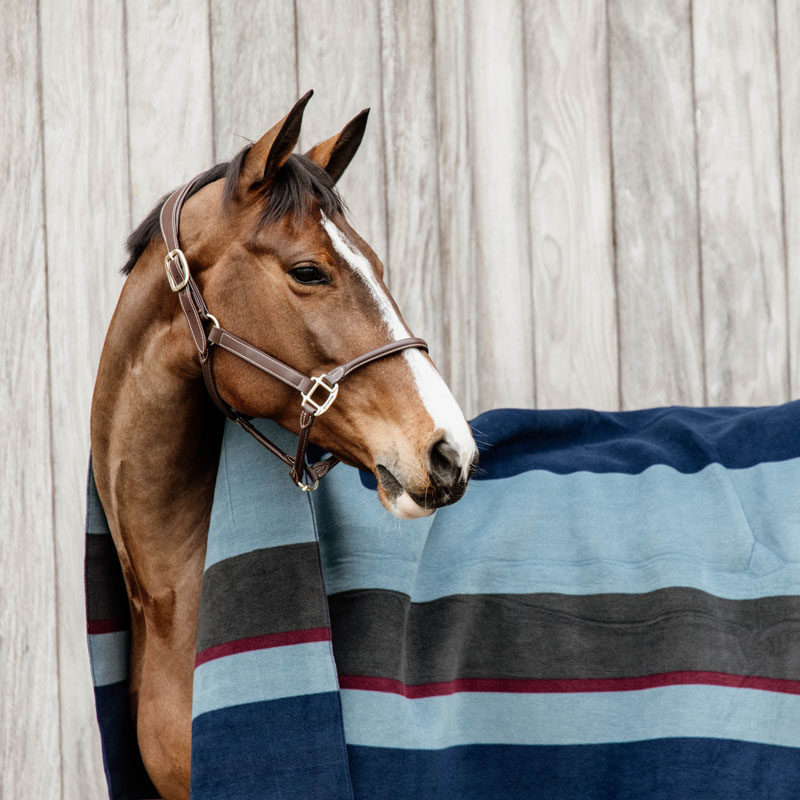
(271, 251)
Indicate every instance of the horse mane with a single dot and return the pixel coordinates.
(290, 191)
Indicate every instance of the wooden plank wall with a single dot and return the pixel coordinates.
(579, 202)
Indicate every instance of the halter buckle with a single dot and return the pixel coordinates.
(320, 408)
(177, 253)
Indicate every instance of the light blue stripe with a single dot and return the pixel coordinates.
(256, 505)
(382, 719)
(733, 533)
(96, 522)
(264, 675)
(108, 653)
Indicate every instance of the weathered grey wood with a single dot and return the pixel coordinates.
(412, 183)
(339, 57)
(87, 215)
(655, 207)
(498, 157)
(788, 43)
(487, 181)
(254, 69)
(169, 97)
(569, 176)
(30, 757)
(744, 278)
(456, 240)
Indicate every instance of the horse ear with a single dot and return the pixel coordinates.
(334, 154)
(270, 152)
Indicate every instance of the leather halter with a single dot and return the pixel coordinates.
(198, 316)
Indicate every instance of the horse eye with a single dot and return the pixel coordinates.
(309, 275)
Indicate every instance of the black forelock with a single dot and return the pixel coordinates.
(292, 190)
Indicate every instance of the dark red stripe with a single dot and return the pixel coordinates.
(262, 642)
(555, 686)
(106, 625)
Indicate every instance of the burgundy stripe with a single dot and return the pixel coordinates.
(106, 625)
(555, 686)
(262, 642)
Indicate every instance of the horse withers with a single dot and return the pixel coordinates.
(267, 243)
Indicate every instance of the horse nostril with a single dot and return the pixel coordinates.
(444, 463)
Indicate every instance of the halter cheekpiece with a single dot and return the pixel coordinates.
(317, 394)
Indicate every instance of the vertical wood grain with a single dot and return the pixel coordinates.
(412, 192)
(499, 168)
(507, 142)
(457, 261)
(339, 57)
(788, 44)
(570, 204)
(254, 69)
(655, 205)
(87, 222)
(30, 757)
(169, 97)
(744, 279)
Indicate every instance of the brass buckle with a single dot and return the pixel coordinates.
(176, 253)
(307, 487)
(320, 408)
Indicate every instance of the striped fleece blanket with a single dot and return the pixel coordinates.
(612, 611)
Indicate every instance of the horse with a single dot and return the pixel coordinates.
(271, 251)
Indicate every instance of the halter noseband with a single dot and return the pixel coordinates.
(197, 314)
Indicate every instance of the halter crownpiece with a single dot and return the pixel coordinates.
(317, 393)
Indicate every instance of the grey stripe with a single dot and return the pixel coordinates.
(105, 589)
(265, 591)
(381, 633)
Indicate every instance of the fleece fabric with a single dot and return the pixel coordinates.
(611, 611)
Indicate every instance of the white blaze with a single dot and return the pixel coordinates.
(433, 391)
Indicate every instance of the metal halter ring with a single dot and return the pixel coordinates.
(320, 408)
(176, 253)
(307, 487)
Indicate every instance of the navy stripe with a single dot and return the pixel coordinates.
(126, 776)
(687, 439)
(512, 441)
(660, 769)
(288, 749)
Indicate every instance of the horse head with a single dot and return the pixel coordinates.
(279, 265)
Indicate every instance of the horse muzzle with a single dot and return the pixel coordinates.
(416, 490)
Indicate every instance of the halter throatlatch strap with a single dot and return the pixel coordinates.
(316, 393)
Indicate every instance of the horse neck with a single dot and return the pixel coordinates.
(155, 435)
